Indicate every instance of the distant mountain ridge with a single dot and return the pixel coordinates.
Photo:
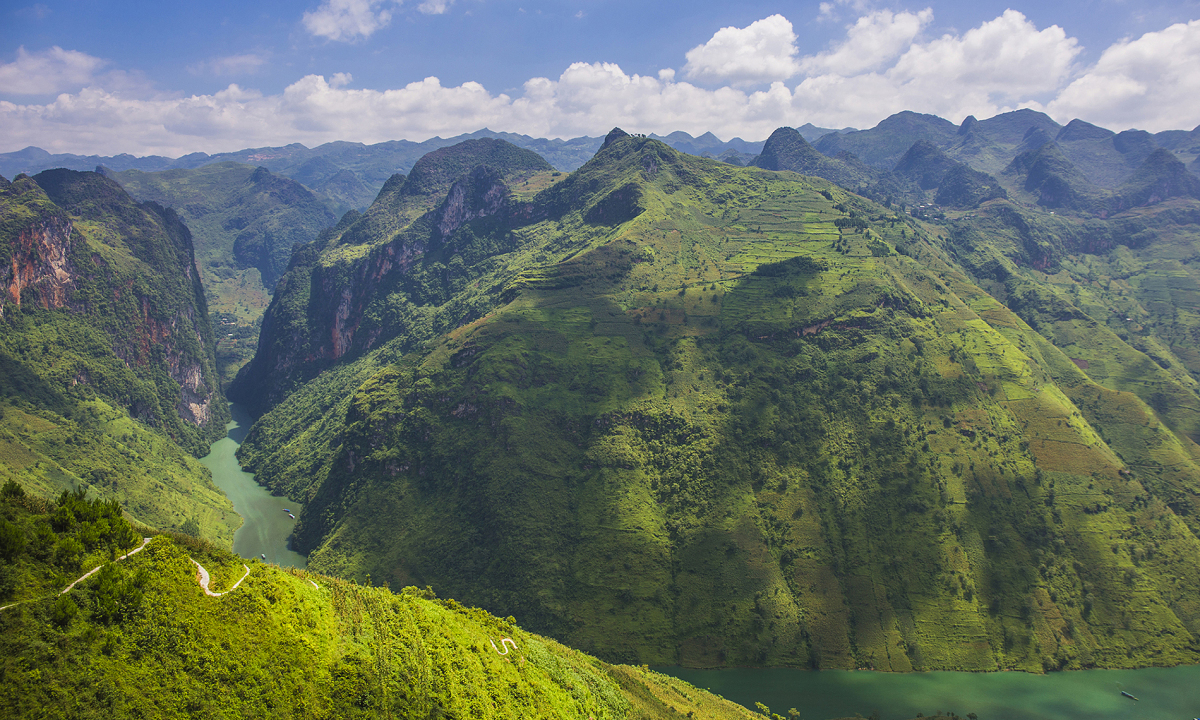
(351, 173)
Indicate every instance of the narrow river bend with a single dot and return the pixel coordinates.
(266, 525)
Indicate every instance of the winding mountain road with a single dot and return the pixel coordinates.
(85, 576)
(201, 576)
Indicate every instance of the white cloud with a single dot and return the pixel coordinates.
(1003, 64)
(351, 19)
(435, 7)
(48, 71)
(245, 64)
(762, 52)
(875, 39)
(1151, 83)
(37, 11)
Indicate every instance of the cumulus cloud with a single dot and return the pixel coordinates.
(1003, 64)
(435, 7)
(875, 39)
(245, 64)
(763, 52)
(351, 19)
(48, 71)
(1150, 83)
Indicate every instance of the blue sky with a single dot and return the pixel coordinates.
(140, 77)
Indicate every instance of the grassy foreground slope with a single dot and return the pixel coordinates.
(141, 639)
(107, 373)
(740, 417)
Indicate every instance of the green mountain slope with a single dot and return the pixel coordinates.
(728, 416)
(244, 221)
(141, 639)
(108, 379)
(340, 295)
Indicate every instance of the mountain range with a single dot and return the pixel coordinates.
(923, 396)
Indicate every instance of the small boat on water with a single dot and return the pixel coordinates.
(289, 512)
(264, 556)
(1128, 695)
(291, 516)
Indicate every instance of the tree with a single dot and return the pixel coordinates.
(12, 540)
(191, 526)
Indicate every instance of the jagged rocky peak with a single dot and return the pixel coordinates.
(613, 135)
(967, 123)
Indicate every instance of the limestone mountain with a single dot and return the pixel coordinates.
(244, 221)
(883, 145)
(340, 295)
(109, 378)
(786, 149)
(1160, 177)
(675, 411)
(1053, 181)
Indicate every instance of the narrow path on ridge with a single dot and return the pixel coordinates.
(202, 577)
(85, 576)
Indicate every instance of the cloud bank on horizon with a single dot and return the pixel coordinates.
(742, 82)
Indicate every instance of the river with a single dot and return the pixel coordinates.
(1163, 693)
(265, 521)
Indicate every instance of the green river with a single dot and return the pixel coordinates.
(265, 521)
(1163, 693)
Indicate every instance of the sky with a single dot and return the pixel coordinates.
(105, 77)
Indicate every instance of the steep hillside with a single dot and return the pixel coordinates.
(350, 292)
(108, 377)
(730, 416)
(244, 221)
(142, 637)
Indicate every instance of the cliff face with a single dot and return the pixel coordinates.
(77, 247)
(354, 288)
(40, 264)
(107, 374)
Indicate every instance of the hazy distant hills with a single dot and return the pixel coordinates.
(350, 174)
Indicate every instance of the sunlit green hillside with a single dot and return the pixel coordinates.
(140, 638)
(717, 415)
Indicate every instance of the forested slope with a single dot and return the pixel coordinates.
(727, 416)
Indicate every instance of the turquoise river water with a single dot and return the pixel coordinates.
(265, 521)
(1163, 693)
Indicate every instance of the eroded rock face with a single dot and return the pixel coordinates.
(151, 310)
(40, 270)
